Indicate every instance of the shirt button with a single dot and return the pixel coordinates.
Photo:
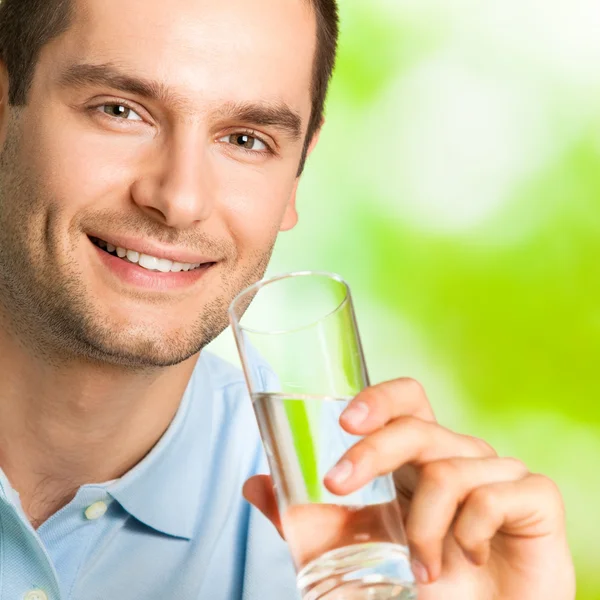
(93, 512)
(36, 595)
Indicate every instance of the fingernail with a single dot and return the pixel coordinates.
(341, 472)
(420, 572)
(356, 413)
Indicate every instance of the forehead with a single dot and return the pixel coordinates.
(232, 50)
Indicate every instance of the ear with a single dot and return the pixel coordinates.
(290, 218)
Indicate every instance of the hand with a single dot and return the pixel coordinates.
(479, 527)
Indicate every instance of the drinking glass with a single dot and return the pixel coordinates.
(303, 362)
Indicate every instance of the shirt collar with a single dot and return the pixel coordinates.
(164, 490)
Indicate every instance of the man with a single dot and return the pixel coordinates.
(150, 154)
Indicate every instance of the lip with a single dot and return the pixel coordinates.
(181, 255)
(132, 275)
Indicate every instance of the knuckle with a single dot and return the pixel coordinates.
(409, 422)
(406, 425)
(421, 542)
(412, 386)
(483, 500)
(482, 446)
(441, 473)
(410, 428)
(550, 490)
(464, 537)
(516, 465)
(547, 484)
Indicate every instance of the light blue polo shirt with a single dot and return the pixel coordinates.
(176, 527)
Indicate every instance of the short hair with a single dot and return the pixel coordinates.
(26, 26)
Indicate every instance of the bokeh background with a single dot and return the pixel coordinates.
(457, 188)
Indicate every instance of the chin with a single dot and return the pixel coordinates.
(148, 343)
(138, 346)
(141, 353)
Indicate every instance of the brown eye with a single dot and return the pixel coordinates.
(243, 140)
(120, 111)
(246, 141)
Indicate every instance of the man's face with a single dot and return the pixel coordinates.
(172, 130)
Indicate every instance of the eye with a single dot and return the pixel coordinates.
(120, 111)
(246, 141)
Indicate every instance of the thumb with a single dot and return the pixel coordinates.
(258, 490)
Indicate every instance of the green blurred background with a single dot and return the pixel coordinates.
(457, 188)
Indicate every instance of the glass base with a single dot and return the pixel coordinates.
(374, 571)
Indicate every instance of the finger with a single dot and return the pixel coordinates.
(377, 405)
(443, 486)
(406, 440)
(258, 490)
(526, 509)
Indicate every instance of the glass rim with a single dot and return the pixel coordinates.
(255, 287)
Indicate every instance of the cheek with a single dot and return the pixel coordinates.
(79, 167)
(252, 203)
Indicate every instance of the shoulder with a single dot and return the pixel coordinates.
(221, 372)
(220, 383)
(219, 388)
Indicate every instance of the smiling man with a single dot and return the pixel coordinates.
(150, 154)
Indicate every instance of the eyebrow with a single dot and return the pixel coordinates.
(275, 115)
(278, 115)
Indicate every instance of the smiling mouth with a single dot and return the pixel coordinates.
(145, 261)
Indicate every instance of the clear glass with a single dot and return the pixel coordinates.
(302, 358)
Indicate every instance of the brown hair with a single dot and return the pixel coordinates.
(26, 26)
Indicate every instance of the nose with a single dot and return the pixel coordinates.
(178, 191)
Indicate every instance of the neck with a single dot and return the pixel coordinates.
(69, 424)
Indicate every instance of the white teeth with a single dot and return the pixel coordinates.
(148, 262)
(152, 263)
(133, 256)
(164, 265)
(155, 264)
